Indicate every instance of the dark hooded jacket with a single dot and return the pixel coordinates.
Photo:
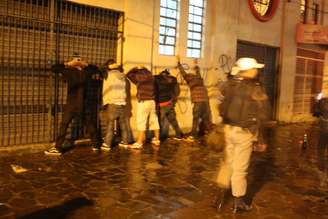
(198, 91)
(144, 81)
(166, 88)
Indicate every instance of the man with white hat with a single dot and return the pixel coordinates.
(244, 107)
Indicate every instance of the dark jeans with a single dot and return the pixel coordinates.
(88, 121)
(200, 111)
(116, 112)
(167, 117)
(323, 152)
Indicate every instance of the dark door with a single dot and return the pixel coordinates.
(267, 55)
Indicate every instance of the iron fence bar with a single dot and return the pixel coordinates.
(8, 81)
(2, 81)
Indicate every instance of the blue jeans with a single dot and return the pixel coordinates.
(116, 112)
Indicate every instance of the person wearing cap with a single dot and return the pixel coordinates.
(146, 106)
(167, 91)
(244, 108)
(199, 98)
(75, 72)
(115, 100)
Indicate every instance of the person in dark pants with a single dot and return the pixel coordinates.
(321, 111)
(76, 73)
(199, 98)
(166, 94)
(115, 100)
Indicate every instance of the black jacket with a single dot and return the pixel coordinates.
(166, 88)
(79, 90)
(245, 104)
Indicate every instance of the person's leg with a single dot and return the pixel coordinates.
(243, 141)
(171, 116)
(142, 116)
(195, 119)
(153, 122)
(110, 114)
(123, 125)
(225, 172)
(206, 116)
(164, 125)
(91, 121)
(67, 118)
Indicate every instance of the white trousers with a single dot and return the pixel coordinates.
(238, 150)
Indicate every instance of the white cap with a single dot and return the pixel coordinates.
(244, 64)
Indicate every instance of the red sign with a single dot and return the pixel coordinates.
(311, 33)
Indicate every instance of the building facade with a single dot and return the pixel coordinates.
(153, 32)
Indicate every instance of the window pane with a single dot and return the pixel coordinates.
(166, 50)
(199, 3)
(161, 39)
(195, 28)
(172, 4)
(195, 53)
(168, 13)
(195, 10)
(168, 25)
(163, 3)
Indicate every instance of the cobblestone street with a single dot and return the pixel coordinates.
(176, 180)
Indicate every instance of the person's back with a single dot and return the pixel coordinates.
(245, 103)
(166, 88)
(114, 88)
(144, 81)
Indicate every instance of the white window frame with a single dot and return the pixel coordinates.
(168, 26)
(196, 14)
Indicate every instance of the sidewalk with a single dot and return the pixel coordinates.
(174, 181)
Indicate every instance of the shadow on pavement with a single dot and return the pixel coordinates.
(261, 169)
(60, 211)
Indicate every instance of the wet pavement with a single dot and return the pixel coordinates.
(176, 180)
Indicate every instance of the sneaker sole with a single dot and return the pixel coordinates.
(52, 154)
(105, 149)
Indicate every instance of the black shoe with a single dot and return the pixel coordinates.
(221, 199)
(239, 205)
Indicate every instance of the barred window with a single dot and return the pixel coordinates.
(168, 26)
(195, 28)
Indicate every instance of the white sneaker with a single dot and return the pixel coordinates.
(123, 145)
(136, 145)
(155, 141)
(105, 147)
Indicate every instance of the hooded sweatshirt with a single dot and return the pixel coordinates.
(114, 88)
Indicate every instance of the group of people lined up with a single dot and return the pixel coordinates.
(244, 108)
(156, 99)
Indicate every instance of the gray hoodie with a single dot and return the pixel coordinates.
(114, 88)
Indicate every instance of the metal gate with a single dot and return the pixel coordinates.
(267, 55)
(34, 34)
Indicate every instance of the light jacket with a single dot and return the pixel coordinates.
(114, 88)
